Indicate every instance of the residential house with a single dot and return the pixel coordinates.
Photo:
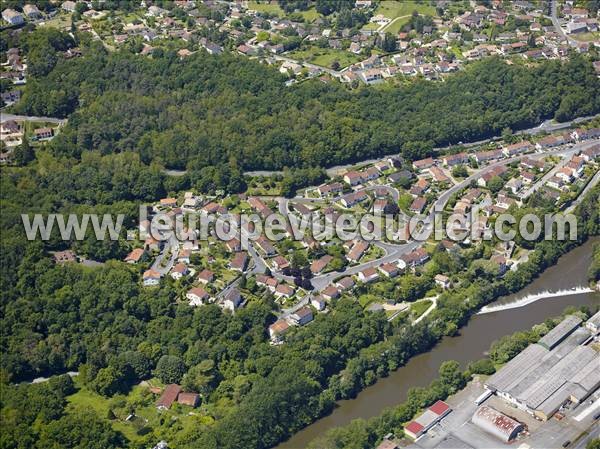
(585, 134)
(438, 175)
(206, 276)
(566, 174)
(514, 185)
(418, 205)
(517, 148)
(169, 394)
(345, 283)
(265, 246)
(419, 187)
(239, 261)
(135, 256)
(501, 262)
(527, 177)
(10, 127)
(330, 292)
(379, 206)
(556, 183)
(168, 202)
(318, 302)
(280, 263)
(353, 178)
(302, 316)
(591, 154)
(442, 280)
(184, 256)
(61, 257)
(32, 12)
(550, 142)
(368, 275)
(284, 290)
(423, 163)
(415, 257)
(455, 159)
(488, 175)
(357, 250)
(399, 176)
(197, 296)
(354, 198)
(43, 133)
(233, 245)
(278, 329)
(389, 269)
(330, 189)
(319, 265)
(370, 174)
(486, 156)
(189, 399)
(180, 270)
(533, 164)
(13, 17)
(151, 278)
(232, 300)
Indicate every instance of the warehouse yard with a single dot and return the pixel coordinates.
(560, 366)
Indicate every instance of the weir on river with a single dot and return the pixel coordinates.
(533, 298)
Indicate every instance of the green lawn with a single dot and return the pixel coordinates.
(60, 21)
(310, 15)
(586, 37)
(325, 56)
(370, 26)
(419, 308)
(141, 402)
(396, 26)
(393, 9)
(265, 6)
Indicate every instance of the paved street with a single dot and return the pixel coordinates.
(5, 117)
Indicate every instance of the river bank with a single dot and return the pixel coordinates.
(471, 343)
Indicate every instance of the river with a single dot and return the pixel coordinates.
(474, 339)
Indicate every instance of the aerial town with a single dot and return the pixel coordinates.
(443, 133)
(374, 43)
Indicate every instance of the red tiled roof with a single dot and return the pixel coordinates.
(439, 408)
(414, 427)
(169, 396)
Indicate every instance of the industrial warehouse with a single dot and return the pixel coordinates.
(561, 367)
(544, 397)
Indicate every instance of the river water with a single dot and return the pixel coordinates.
(474, 339)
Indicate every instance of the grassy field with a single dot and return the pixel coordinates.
(60, 21)
(586, 37)
(310, 15)
(325, 56)
(393, 9)
(141, 402)
(419, 308)
(264, 6)
(395, 26)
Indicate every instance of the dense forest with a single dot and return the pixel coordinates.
(216, 115)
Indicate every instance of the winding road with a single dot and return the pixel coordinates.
(5, 117)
